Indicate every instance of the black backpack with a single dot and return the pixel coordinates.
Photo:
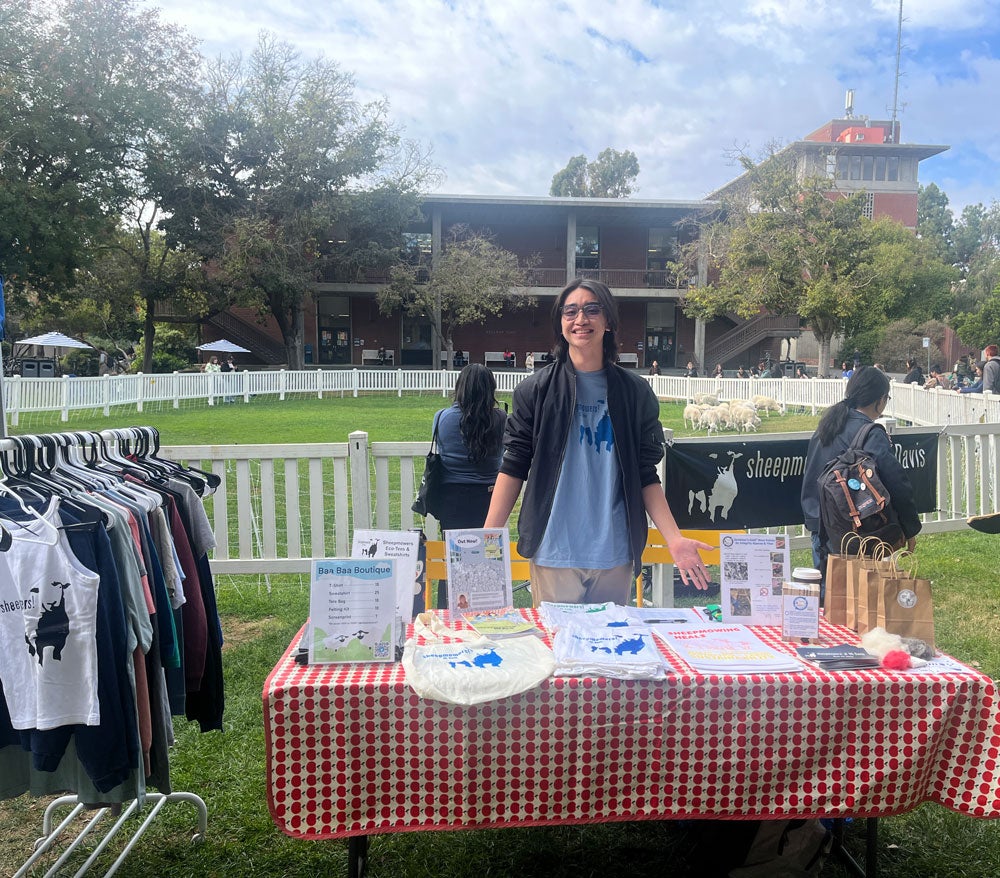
(852, 498)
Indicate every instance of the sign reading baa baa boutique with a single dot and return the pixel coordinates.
(758, 483)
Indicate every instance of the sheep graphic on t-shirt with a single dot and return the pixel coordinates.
(52, 626)
(632, 646)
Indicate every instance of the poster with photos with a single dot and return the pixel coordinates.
(752, 570)
(478, 563)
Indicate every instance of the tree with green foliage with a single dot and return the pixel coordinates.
(474, 278)
(784, 247)
(295, 181)
(611, 175)
(89, 91)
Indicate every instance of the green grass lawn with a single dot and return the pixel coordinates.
(260, 617)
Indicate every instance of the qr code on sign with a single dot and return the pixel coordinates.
(381, 650)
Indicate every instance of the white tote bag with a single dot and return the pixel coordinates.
(476, 669)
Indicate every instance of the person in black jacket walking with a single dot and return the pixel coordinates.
(588, 431)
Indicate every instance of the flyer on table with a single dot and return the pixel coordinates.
(403, 546)
(478, 562)
(352, 610)
(752, 568)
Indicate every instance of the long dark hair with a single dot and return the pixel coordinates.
(560, 349)
(475, 396)
(865, 386)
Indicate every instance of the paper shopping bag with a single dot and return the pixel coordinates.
(906, 606)
(837, 595)
(835, 599)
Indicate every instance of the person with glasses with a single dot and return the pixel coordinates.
(865, 398)
(588, 433)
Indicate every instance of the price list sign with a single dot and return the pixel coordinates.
(352, 610)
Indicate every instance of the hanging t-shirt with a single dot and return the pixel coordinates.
(587, 526)
(58, 597)
(17, 670)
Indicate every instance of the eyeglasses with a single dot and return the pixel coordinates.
(591, 309)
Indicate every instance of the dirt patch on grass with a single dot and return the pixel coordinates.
(236, 632)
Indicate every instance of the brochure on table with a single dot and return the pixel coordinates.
(352, 610)
(403, 546)
(498, 624)
(725, 649)
(753, 567)
(478, 564)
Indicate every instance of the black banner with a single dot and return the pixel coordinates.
(758, 482)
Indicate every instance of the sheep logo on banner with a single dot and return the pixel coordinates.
(723, 494)
(52, 626)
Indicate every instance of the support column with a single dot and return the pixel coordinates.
(435, 261)
(570, 247)
(699, 346)
(699, 324)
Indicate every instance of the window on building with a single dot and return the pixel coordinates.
(855, 167)
(588, 247)
(892, 169)
(662, 249)
(868, 208)
(843, 167)
(417, 248)
(867, 167)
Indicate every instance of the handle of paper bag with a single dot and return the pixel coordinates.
(909, 567)
(873, 547)
(846, 541)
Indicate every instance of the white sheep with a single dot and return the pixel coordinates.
(706, 399)
(766, 404)
(710, 419)
(692, 413)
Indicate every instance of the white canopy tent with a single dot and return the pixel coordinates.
(54, 340)
(223, 346)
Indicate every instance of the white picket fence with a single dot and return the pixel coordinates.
(111, 392)
(280, 505)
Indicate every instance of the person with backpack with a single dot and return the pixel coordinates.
(866, 396)
(991, 368)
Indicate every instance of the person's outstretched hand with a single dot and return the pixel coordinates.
(692, 568)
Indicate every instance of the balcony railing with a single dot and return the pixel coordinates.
(622, 278)
(631, 278)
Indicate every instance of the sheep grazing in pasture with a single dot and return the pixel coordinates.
(692, 413)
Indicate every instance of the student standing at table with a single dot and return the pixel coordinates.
(589, 434)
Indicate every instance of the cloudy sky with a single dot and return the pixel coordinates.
(506, 92)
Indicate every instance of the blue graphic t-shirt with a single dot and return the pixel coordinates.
(587, 527)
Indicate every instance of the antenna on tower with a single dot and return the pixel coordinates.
(849, 104)
(895, 90)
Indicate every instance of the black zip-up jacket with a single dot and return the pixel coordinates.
(535, 442)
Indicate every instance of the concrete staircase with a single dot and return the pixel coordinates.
(749, 333)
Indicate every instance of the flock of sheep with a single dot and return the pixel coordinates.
(706, 412)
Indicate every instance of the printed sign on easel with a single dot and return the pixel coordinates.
(478, 562)
(403, 546)
(352, 611)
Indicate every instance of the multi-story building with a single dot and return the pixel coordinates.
(626, 243)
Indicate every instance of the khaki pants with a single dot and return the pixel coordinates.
(579, 585)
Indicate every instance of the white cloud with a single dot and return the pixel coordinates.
(508, 92)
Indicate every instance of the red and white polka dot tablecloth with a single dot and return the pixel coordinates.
(351, 750)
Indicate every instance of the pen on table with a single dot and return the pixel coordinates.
(672, 621)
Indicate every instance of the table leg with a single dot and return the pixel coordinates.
(357, 856)
(870, 868)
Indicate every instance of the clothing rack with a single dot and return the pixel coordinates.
(21, 459)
